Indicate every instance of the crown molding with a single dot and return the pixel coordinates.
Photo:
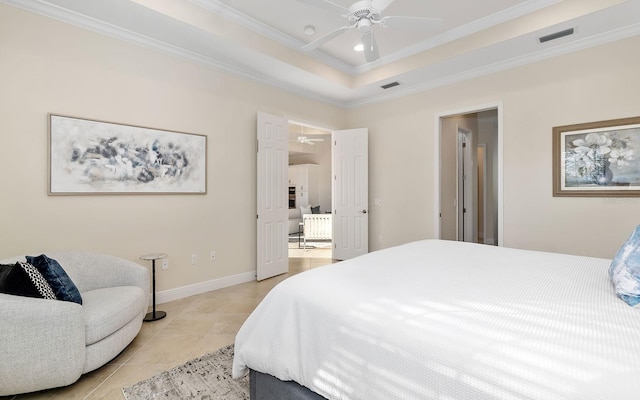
(47, 9)
(458, 33)
(503, 65)
(64, 15)
(220, 8)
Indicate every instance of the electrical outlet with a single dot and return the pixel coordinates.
(165, 263)
(194, 259)
(212, 256)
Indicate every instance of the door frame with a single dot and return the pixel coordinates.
(483, 193)
(329, 133)
(498, 106)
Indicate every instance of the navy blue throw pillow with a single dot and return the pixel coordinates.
(62, 285)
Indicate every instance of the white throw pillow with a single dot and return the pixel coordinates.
(305, 210)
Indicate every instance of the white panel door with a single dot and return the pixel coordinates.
(465, 186)
(273, 208)
(350, 193)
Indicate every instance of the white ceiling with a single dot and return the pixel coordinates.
(261, 40)
(289, 17)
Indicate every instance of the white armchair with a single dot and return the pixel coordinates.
(51, 343)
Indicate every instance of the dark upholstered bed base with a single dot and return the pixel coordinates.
(267, 387)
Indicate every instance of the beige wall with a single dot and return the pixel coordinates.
(48, 66)
(595, 84)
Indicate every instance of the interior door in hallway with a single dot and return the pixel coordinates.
(350, 193)
(484, 127)
(272, 196)
(467, 192)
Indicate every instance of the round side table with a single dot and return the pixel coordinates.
(154, 315)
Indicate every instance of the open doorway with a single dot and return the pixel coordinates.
(309, 192)
(348, 179)
(469, 176)
(349, 183)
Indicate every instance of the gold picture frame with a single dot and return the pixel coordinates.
(597, 159)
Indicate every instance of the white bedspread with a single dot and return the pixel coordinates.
(448, 320)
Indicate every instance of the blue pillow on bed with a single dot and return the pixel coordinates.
(625, 270)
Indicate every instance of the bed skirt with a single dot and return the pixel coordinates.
(267, 387)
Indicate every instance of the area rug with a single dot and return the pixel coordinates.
(204, 378)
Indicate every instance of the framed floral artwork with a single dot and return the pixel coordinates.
(88, 157)
(597, 159)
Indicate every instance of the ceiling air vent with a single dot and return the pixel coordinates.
(390, 85)
(556, 35)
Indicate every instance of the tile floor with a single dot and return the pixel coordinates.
(194, 326)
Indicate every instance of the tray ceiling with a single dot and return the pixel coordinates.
(262, 40)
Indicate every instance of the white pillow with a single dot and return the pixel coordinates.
(305, 210)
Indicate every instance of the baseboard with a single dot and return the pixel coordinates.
(203, 287)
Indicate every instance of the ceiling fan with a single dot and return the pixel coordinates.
(364, 15)
(306, 140)
(303, 139)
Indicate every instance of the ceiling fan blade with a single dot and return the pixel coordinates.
(381, 5)
(326, 4)
(370, 46)
(324, 39)
(411, 22)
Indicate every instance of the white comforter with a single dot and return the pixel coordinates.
(448, 320)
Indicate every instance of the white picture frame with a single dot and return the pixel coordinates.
(91, 157)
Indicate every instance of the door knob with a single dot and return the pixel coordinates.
(364, 211)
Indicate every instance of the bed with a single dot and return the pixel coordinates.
(444, 320)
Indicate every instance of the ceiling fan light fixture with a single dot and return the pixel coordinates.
(309, 30)
(364, 24)
(363, 15)
(358, 47)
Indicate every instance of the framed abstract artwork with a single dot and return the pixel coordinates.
(597, 159)
(88, 157)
